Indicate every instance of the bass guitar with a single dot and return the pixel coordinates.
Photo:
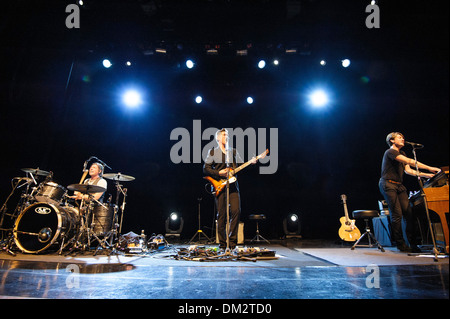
(219, 185)
(348, 231)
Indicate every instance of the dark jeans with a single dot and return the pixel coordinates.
(396, 197)
(234, 213)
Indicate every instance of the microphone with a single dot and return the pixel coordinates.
(416, 145)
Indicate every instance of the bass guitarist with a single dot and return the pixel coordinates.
(215, 166)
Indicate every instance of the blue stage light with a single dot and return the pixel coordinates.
(132, 98)
(345, 63)
(318, 98)
(106, 63)
(190, 64)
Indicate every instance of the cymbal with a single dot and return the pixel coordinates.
(119, 177)
(86, 188)
(35, 171)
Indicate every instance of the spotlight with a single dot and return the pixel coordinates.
(250, 100)
(190, 64)
(261, 64)
(323, 62)
(318, 98)
(345, 63)
(106, 63)
(291, 226)
(128, 63)
(174, 225)
(131, 98)
(276, 62)
(198, 99)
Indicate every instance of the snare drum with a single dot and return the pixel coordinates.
(50, 192)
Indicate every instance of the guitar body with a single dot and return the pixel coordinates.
(220, 185)
(348, 231)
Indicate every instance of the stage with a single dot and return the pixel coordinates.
(300, 269)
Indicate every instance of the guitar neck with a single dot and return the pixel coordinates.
(242, 167)
(344, 203)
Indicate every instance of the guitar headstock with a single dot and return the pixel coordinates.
(343, 198)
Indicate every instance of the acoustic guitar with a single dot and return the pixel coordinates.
(219, 185)
(348, 231)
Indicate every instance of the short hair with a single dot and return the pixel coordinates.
(392, 136)
(219, 132)
(100, 167)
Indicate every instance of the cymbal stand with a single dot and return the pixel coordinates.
(24, 201)
(122, 207)
(424, 196)
(199, 231)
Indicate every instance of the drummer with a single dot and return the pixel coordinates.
(95, 173)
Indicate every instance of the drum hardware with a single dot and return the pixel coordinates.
(25, 200)
(83, 240)
(112, 235)
(124, 178)
(102, 225)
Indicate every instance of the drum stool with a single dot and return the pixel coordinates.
(367, 215)
(257, 218)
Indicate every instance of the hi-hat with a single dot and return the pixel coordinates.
(86, 188)
(119, 177)
(35, 171)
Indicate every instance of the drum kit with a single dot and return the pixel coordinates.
(47, 219)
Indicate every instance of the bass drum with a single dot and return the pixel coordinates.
(42, 226)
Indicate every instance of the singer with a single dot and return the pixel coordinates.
(395, 163)
(216, 167)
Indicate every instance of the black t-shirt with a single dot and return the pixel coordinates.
(390, 168)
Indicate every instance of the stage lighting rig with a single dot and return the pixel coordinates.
(174, 225)
(292, 226)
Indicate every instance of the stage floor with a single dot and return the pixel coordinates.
(300, 270)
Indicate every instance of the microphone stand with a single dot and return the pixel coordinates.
(424, 198)
(199, 231)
